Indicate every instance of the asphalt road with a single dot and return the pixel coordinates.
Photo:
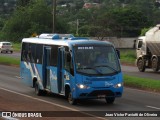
(14, 54)
(14, 95)
(133, 71)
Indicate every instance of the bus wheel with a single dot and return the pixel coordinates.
(110, 100)
(71, 100)
(155, 66)
(38, 91)
(141, 65)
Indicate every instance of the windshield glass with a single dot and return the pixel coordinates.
(96, 60)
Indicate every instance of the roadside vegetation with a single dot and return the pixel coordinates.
(17, 47)
(128, 56)
(9, 61)
(109, 18)
(142, 83)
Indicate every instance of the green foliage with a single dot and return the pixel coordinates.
(9, 61)
(23, 2)
(34, 18)
(142, 83)
(128, 56)
(118, 18)
(121, 22)
(143, 31)
(16, 47)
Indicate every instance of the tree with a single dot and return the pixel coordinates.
(145, 6)
(23, 2)
(34, 18)
(120, 22)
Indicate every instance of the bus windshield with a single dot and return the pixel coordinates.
(96, 60)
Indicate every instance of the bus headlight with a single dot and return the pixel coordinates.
(81, 86)
(118, 85)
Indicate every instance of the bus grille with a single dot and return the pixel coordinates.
(101, 92)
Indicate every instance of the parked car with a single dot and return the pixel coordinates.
(6, 47)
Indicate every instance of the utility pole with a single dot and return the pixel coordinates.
(77, 28)
(54, 15)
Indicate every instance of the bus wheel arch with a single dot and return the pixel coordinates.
(69, 95)
(110, 100)
(34, 81)
(71, 100)
(67, 90)
(38, 91)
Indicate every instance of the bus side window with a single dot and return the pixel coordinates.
(29, 53)
(39, 51)
(68, 63)
(24, 51)
(23, 58)
(54, 55)
(33, 53)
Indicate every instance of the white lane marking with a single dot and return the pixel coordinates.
(153, 107)
(10, 118)
(72, 109)
(18, 77)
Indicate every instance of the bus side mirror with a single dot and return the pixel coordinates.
(118, 53)
(68, 57)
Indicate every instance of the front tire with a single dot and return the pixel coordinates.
(71, 100)
(110, 100)
(141, 65)
(155, 66)
(38, 91)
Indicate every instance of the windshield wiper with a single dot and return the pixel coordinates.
(111, 68)
(93, 68)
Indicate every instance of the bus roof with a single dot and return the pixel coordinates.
(65, 41)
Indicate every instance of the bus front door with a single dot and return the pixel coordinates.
(46, 67)
(60, 70)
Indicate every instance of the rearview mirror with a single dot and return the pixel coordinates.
(118, 53)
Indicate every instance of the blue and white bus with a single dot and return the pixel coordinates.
(69, 66)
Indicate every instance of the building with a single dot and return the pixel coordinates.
(91, 5)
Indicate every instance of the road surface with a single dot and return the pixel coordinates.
(14, 95)
(14, 54)
(133, 71)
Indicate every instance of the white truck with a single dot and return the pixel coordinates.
(148, 50)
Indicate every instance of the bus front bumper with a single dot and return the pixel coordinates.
(99, 93)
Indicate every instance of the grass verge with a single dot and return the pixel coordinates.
(9, 61)
(142, 83)
(17, 47)
(128, 56)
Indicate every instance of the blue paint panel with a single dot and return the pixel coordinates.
(98, 85)
(53, 79)
(26, 74)
(105, 83)
(30, 70)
